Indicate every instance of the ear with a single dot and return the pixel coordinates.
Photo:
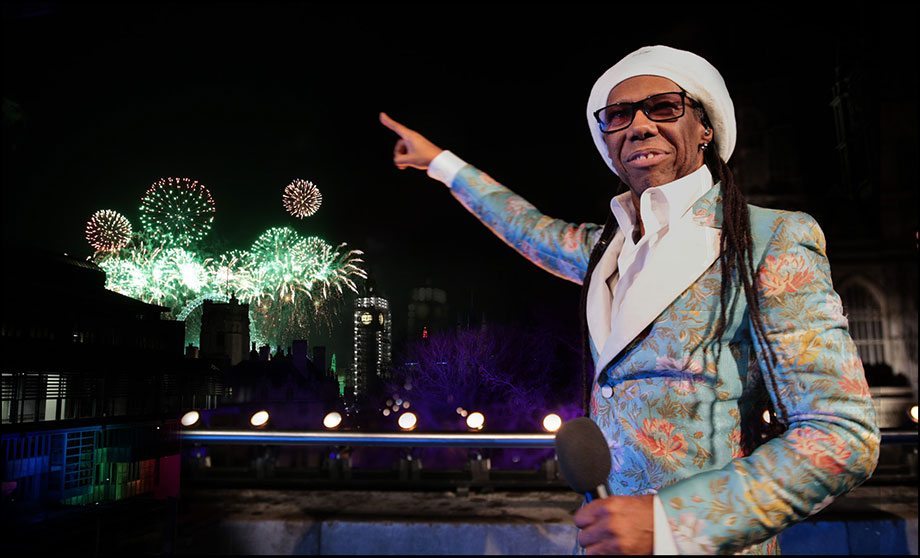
(706, 136)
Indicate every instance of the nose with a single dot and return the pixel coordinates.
(641, 127)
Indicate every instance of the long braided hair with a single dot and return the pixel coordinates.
(736, 261)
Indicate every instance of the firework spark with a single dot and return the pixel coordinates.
(128, 270)
(231, 273)
(108, 231)
(177, 211)
(293, 284)
(301, 198)
(167, 277)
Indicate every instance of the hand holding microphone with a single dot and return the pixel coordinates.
(609, 524)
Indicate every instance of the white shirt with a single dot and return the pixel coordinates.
(659, 207)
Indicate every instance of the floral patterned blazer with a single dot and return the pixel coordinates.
(669, 396)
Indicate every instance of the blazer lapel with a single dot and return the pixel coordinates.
(687, 250)
(599, 301)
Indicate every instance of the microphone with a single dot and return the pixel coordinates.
(584, 457)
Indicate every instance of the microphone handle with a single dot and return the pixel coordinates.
(600, 492)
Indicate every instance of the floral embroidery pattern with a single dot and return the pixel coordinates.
(571, 239)
(786, 273)
(684, 364)
(823, 450)
(659, 439)
(558, 247)
(689, 535)
(516, 206)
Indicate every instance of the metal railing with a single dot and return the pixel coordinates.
(392, 439)
(408, 439)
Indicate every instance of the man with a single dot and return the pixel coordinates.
(701, 312)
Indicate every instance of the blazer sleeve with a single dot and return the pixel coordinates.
(819, 391)
(557, 246)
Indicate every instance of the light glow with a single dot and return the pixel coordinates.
(332, 420)
(259, 418)
(475, 421)
(552, 422)
(190, 418)
(407, 421)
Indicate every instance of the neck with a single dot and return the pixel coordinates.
(636, 197)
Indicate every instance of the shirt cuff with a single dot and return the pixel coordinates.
(663, 538)
(445, 167)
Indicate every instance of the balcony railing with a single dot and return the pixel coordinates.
(404, 439)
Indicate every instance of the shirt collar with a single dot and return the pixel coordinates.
(663, 204)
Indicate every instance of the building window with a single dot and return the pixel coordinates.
(864, 312)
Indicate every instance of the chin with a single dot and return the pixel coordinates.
(645, 182)
(653, 179)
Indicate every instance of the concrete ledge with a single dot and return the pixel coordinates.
(290, 537)
(870, 521)
(450, 538)
(306, 537)
(526, 523)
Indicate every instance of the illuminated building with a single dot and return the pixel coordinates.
(373, 334)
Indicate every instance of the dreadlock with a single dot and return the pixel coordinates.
(736, 261)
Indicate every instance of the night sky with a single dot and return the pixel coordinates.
(245, 98)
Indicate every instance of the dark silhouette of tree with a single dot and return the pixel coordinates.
(511, 374)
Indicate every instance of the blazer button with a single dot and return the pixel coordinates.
(606, 392)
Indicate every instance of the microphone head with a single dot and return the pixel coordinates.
(583, 453)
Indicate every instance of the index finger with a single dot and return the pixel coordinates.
(393, 125)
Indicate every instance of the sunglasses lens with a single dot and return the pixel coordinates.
(664, 107)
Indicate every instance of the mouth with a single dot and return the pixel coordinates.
(645, 158)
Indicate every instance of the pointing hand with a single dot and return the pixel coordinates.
(412, 148)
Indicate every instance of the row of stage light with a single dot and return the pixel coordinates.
(475, 421)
